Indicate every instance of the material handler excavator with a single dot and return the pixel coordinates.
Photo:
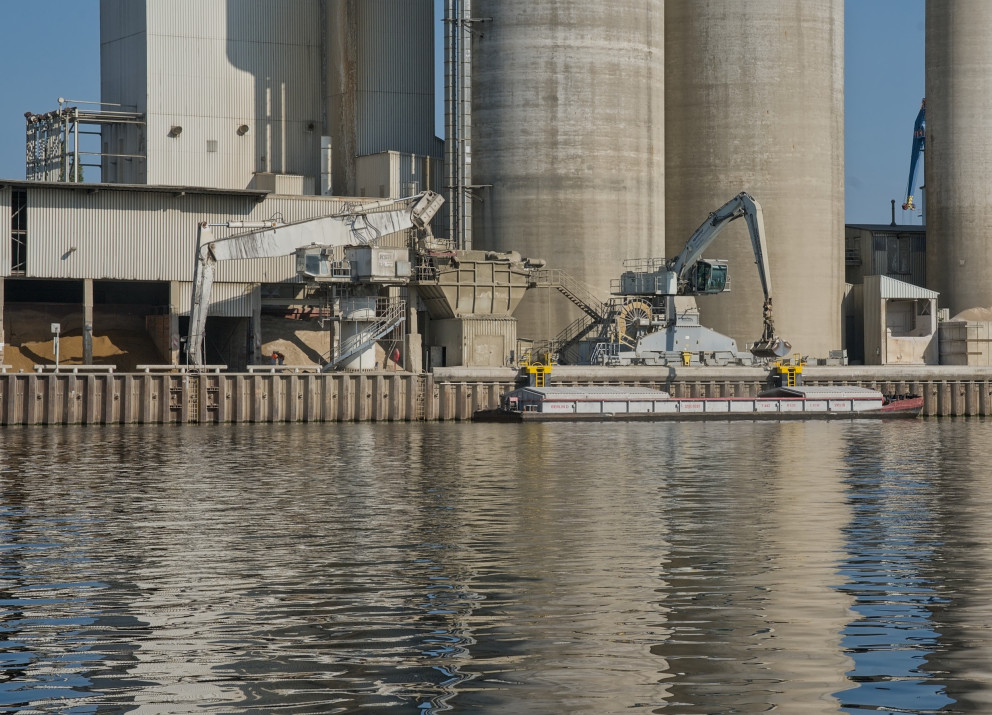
(652, 326)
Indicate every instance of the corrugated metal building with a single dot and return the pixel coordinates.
(891, 322)
(228, 89)
(872, 252)
(379, 83)
(141, 240)
(144, 233)
(883, 250)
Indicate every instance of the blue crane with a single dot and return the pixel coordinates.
(919, 139)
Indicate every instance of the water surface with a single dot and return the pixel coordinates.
(541, 568)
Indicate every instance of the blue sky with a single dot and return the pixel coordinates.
(51, 49)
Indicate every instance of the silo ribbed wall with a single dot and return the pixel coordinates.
(959, 152)
(568, 138)
(754, 101)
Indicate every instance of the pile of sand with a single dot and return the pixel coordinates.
(126, 350)
(975, 315)
(304, 342)
(29, 340)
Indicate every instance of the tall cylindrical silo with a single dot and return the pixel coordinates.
(959, 152)
(568, 139)
(754, 101)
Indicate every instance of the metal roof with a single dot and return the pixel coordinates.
(888, 228)
(892, 288)
(825, 392)
(95, 187)
(595, 392)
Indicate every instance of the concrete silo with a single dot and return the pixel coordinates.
(754, 101)
(958, 152)
(568, 138)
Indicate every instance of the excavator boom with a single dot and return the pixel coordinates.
(741, 206)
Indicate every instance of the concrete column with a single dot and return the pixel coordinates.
(958, 153)
(175, 300)
(255, 349)
(87, 321)
(413, 358)
(754, 101)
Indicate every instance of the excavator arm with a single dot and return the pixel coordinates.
(741, 206)
(362, 225)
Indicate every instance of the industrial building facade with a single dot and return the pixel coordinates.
(591, 134)
(143, 240)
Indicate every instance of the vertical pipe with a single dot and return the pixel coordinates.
(465, 122)
(75, 149)
(450, 128)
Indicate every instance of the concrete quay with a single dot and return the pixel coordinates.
(448, 394)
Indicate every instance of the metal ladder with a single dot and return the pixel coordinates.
(420, 401)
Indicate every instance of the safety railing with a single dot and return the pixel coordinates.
(389, 314)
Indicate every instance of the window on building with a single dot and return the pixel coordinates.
(18, 232)
(898, 255)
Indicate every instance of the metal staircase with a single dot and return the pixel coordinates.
(597, 313)
(390, 313)
(605, 354)
(571, 288)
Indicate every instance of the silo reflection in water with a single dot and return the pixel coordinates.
(708, 567)
(953, 575)
(756, 521)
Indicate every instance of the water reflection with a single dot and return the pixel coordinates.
(754, 621)
(891, 543)
(958, 562)
(691, 568)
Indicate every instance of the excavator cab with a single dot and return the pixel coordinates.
(707, 276)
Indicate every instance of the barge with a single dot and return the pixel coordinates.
(544, 404)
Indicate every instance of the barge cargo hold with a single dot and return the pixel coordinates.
(538, 404)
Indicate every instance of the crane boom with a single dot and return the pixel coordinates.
(919, 144)
(741, 206)
(361, 225)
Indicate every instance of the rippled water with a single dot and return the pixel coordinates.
(558, 568)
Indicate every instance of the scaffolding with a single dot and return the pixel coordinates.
(52, 140)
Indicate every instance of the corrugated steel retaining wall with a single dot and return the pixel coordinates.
(67, 398)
